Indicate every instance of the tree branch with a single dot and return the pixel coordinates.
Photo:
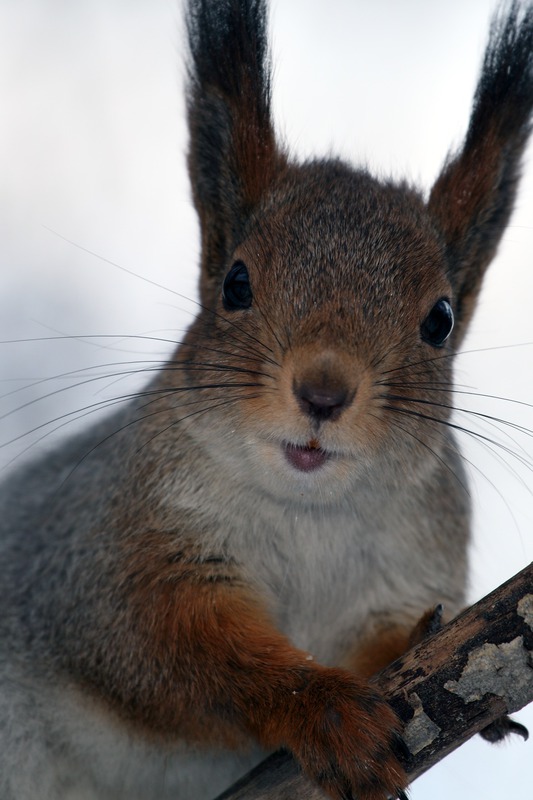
(454, 684)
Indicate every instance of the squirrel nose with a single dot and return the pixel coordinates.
(321, 402)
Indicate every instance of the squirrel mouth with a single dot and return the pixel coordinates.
(306, 458)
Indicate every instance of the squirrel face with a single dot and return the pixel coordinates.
(330, 295)
(325, 306)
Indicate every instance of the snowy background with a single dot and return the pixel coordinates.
(92, 144)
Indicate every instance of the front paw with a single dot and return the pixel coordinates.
(346, 738)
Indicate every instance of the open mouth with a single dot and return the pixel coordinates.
(306, 458)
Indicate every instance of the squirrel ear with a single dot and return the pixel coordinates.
(473, 197)
(232, 153)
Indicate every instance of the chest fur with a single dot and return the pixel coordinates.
(323, 571)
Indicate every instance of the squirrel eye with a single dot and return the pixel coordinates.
(236, 290)
(438, 324)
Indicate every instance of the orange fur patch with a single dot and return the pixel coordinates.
(201, 660)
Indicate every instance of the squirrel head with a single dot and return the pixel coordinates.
(342, 298)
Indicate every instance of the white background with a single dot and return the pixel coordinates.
(92, 146)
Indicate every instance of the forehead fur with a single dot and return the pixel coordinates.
(336, 234)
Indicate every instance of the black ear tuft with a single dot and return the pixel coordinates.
(233, 156)
(473, 197)
(229, 46)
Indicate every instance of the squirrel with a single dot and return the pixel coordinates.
(217, 569)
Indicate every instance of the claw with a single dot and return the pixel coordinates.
(502, 727)
(434, 623)
(521, 730)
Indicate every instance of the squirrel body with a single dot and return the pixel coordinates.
(218, 568)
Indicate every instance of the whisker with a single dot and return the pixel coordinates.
(174, 391)
(477, 469)
(262, 243)
(64, 389)
(130, 272)
(436, 455)
(81, 414)
(452, 390)
(258, 354)
(140, 337)
(92, 407)
(454, 353)
(232, 354)
(157, 365)
(268, 324)
(454, 426)
(136, 422)
(186, 403)
(496, 422)
(173, 424)
(486, 442)
(378, 360)
(157, 368)
(149, 335)
(489, 417)
(89, 336)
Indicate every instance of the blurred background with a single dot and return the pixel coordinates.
(93, 183)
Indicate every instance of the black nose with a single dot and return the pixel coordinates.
(322, 403)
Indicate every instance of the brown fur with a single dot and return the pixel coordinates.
(211, 665)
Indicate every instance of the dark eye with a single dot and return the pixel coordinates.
(236, 291)
(438, 324)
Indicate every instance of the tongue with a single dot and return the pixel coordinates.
(305, 459)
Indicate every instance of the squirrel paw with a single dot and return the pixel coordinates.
(502, 727)
(346, 738)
